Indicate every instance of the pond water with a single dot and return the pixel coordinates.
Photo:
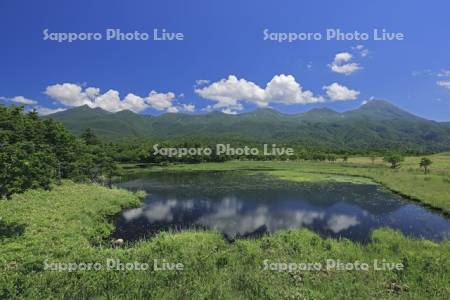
(242, 204)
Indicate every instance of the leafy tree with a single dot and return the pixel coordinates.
(331, 158)
(89, 137)
(394, 159)
(425, 162)
(34, 153)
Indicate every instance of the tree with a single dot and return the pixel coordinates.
(331, 158)
(35, 153)
(425, 162)
(394, 159)
(89, 137)
(345, 158)
(373, 157)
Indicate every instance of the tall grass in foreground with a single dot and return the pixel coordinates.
(61, 226)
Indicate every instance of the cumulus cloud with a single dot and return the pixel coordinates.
(160, 101)
(188, 107)
(337, 92)
(285, 89)
(71, 95)
(444, 83)
(230, 92)
(20, 100)
(342, 64)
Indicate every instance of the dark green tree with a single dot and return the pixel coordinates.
(89, 137)
(425, 162)
(394, 159)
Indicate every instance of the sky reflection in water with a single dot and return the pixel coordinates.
(239, 205)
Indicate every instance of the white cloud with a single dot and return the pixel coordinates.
(172, 109)
(43, 111)
(134, 103)
(160, 101)
(23, 100)
(444, 73)
(342, 65)
(444, 83)
(109, 101)
(20, 100)
(228, 93)
(362, 50)
(337, 92)
(285, 89)
(229, 111)
(92, 93)
(342, 57)
(71, 95)
(200, 82)
(188, 107)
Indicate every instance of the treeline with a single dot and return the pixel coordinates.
(35, 153)
(142, 151)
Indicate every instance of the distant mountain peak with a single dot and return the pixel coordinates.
(88, 108)
(82, 111)
(126, 112)
(377, 103)
(378, 107)
(318, 114)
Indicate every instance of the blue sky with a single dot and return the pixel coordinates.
(224, 45)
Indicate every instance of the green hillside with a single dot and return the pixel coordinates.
(376, 125)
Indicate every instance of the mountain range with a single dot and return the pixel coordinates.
(376, 125)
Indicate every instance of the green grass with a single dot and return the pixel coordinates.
(62, 225)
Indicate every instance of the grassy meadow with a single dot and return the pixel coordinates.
(72, 223)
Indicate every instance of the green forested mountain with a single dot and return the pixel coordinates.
(377, 125)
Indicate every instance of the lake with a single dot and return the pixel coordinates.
(249, 204)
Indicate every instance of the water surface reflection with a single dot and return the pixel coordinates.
(239, 205)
